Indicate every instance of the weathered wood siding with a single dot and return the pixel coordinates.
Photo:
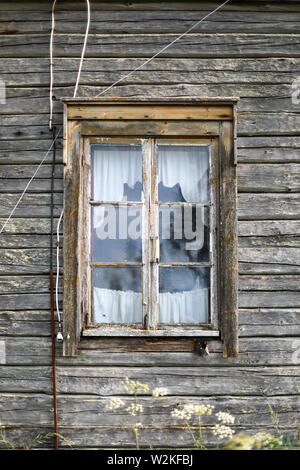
(250, 49)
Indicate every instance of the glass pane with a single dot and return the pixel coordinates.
(183, 295)
(184, 233)
(183, 173)
(117, 295)
(117, 172)
(116, 234)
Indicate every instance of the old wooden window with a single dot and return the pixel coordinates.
(150, 220)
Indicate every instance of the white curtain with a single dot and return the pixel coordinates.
(115, 306)
(112, 306)
(115, 165)
(188, 166)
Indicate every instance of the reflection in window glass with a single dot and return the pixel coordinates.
(184, 233)
(117, 295)
(183, 173)
(117, 172)
(183, 295)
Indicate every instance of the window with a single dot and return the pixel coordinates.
(150, 220)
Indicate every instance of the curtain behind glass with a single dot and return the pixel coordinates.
(115, 166)
(187, 165)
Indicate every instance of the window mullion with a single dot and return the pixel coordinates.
(154, 236)
(146, 200)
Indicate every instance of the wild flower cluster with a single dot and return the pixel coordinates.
(188, 411)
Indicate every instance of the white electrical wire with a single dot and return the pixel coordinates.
(51, 57)
(163, 49)
(57, 267)
(84, 46)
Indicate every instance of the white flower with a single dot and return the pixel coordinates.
(133, 409)
(225, 418)
(222, 431)
(189, 410)
(134, 386)
(159, 392)
(115, 404)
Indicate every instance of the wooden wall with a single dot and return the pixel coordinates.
(250, 49)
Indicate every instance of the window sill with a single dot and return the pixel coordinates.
(167, 332)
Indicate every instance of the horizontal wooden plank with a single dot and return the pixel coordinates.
(7, 240)
(29, 226)
(268, 177)
(113, 438)
(266, 260)
(148, 112)
(270, 283)
(82, 410)
(247, 299)
(146, 45)
(140, 352)
(268, 228)
(274, 299)
(37, 185)
(260, 322)
(269, 322)
(205, 381)
(18, 22)
(34, 72)
(26, 323)
(269, 260)
(115, 5)
(150, 128)
(31, 204)
(275, 240)
(268, 206)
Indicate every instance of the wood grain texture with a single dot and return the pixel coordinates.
(249, 49)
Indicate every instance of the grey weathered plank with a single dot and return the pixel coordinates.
(270, 283)
(31, 204)
(274, 299)
(251, 5)
(275, 240)
(31, 72)
(28, 323)
(205, 381)
(11, 171)
(256, 260)
(30, 260)
(253, 322)
(37, 185)
(106, 381)
(269, 322)
(269, 178)
(268, 206)
(82, 410)
(268, 228)
(113, 45)
(148, 21)
(137, 352)
(269, 260)
(254, 97)
(27, 226)
(115, 437)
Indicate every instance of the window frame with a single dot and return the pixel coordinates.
(88, 121)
